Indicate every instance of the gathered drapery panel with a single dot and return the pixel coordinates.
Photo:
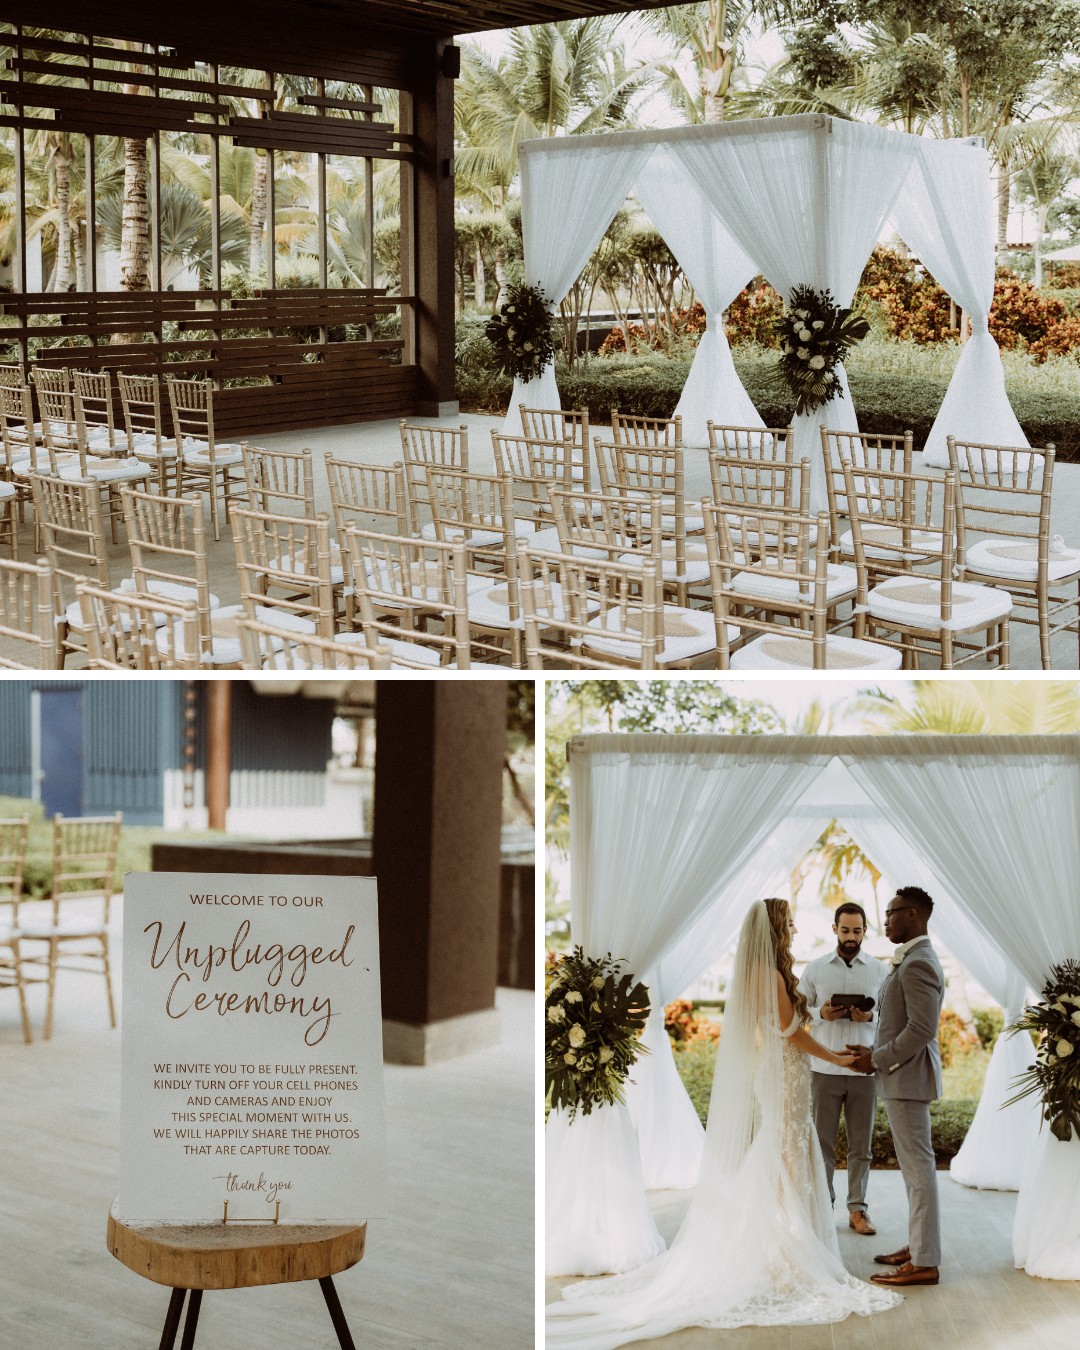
(808, 201)
(670, 1135)
(999, 1142)
(655, 837)
(567, 202)
(1002, 828)
(945, 214)
(718, 269)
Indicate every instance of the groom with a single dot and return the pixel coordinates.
(905, 1057)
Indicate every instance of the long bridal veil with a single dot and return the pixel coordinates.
(758, 1244)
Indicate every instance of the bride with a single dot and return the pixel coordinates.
(758, 1244)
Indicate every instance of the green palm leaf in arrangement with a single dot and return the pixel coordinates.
(1055, 1075)
(595, 1014)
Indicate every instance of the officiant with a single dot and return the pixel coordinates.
(835, 986)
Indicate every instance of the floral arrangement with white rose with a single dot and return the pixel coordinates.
(814, 335)
(522, 332)
(1055, 1075)
(594, 1017)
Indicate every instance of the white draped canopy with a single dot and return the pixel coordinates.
(801, 199)
(673, 836)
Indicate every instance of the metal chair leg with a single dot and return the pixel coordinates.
(344, 1335)
(191, 1322)
(172, 1320)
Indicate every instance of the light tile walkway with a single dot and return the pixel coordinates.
(451, 1268)
(982, 1302)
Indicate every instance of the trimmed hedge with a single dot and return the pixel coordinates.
(950, 1119)
(890, 404)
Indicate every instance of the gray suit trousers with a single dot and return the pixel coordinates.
(831, 1092)
(910, 1125)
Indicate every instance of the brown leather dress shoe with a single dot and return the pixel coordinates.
(899, 1258)
(908, 1274)
(859, 1220)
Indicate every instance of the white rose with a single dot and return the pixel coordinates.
(1058, 1006)
(817, 363)
(573, 996)
(818, 323)
(598, 983)
(606, 1055)
(804, 334)
(569, 1057)
(803, 354)
(1051, 1059)
(594, 1007)
(556, 1013)
(577, 1037)
(788, 348)
(802, 313)
(1076, 1018)
(1063, 1048)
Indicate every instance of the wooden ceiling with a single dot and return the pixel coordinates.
(448, 17)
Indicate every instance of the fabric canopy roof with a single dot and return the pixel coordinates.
(802, 199)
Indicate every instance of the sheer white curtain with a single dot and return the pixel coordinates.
(567, 202)
(718, 269)
(945, 215)
(806, 197)
(996, 819)
(999, 1141)
(670, 1136)
(658, 829)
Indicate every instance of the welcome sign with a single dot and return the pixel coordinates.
(251, 1049)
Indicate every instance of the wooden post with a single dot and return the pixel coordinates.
(219, 750)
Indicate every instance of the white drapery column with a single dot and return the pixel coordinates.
(945, 215)
(670, 1135)
(718, 269)
(567, 202)
(1002, 821)
(807, 200)
(999, 1141)
(657, 831)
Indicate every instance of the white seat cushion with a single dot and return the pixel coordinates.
(776, 651)
(225, 631)
(687, 633)
(920, 542)
(7, 490)
(840, 584)
(126, 470)
(452, 533)
(915, 602)
(696, 568)
(298, 565)
(403, 653)
(145, 443)
(168, 590)
(198, 453)
(1018, 559)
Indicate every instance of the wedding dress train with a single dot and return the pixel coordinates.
(758, 1245)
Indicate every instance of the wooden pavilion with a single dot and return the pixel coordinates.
(319, 81)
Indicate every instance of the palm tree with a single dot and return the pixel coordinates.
(1042, 183)
(961, 707)
(711, 32)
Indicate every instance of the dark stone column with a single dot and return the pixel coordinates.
(438, 788)
(432, 227)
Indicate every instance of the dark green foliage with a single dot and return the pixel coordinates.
(1055, 1075)
(988, 1023)
(814, 334)
(522, 332)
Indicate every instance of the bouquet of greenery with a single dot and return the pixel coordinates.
(595, 1015)
(814, 336)
(1055, 1075)
(522, 332)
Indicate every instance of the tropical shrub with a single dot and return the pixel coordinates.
(1021, 314)
(955, 1037)
(683, 1025)
(752, 315)
(988, 1025)
(1061, 337)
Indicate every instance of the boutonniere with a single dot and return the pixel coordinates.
(897, 960)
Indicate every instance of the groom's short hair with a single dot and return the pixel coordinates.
(915, 895)
(850, 907)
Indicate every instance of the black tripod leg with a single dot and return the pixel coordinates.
(172, 1320)
(192, 1319)
(344, 1335)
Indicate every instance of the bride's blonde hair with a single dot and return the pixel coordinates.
(779, 913)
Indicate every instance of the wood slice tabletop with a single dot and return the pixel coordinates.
(219, 1256)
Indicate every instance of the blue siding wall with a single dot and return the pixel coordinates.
(132, 735)
(15, 733)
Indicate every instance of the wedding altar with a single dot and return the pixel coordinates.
(672, 838)
(801, 200)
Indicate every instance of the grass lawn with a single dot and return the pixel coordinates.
(133, 854)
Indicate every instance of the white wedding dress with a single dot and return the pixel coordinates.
(758, 1245)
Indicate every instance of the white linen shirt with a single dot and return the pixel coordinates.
(828, 975)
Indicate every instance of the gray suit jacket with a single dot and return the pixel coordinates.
(905, 1050)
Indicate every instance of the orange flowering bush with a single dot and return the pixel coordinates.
(684, 1026)
(752, 315)
(955, 1037)
(1021, 314)
(1061, 338)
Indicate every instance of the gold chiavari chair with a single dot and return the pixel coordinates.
(69, 512)
(14, 836)
(128, 631)
(27, 629)
(424, 447)
(147, 434)
(209, 464)
(1004, 495)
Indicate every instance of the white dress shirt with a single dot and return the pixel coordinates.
(828, 975)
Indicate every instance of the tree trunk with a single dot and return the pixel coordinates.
(135, 227)
(62, 273)
(1004, 194)
(500, 275)
(1040, 231)
(259, 203)
(80, 254)
(479, 278)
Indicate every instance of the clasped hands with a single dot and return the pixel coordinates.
(861, 1061)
